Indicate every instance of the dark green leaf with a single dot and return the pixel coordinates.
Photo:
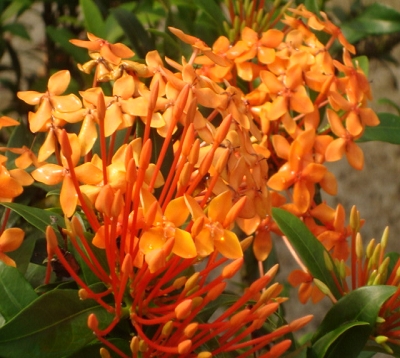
(61, 37)
(391, 103)
(15, 8)
(346, 341)
(214, 13)
(388, 130)
(137, 35)
(92, 18)
(93, 349)
(35, 274)
(307, 246)
(362, 304)
(312, 5)
(377, 19)
(39, 218)
(16, 293)
(223, 300)
(55, 325)
(17, 29)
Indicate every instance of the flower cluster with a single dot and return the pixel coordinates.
(166, 171)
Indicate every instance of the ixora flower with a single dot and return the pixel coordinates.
(10, 240)
(171, 171)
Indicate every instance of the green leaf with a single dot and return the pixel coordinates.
(362, 304)
(61, 37)
(388, 130)
(313, 6)
(346, 341)
(92, 18)
(307, 246)
(54, 325)
(377, 19)
(16, 8)
(39, 218)
(391, 103)
(214, 13)
(139, 38)
(17, 29)
(15, 291)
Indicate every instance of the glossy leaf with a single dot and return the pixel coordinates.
(388, 130)
(39, 218)
(139, 38)
(46, 330)
(307, 246)
(377, 19)
(362, 305)
(61, 37)
(15, 291)
(346, 341)
(94, 22)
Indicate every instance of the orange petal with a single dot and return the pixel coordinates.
(301, 196)
(278, 108)
(195, 210)
(229, 245)
(50, 174)
(112, 119)
(314, 172)
(336, 123)
(68, 103)
(300, 102)
(219, 207)
(124, 87)
(121, 50)
(184, 245)
(355, 156)
(9, 187)
(266, 55)
(281, 180)
(108, 55)
(353, 124)
(272, 38)
(204, 243)
(59, 82)
(99, 238)
(30, 97)
(91, 46)
(7, 260)
(335, 150)
(68, 197)
(11, 239)
(48, 147)
(297, 277)
(262, 245)
(271, 82)
(368, 116)
(151, 240)
(21, 176)
(89, 174)
(177, 212)
(88, 134)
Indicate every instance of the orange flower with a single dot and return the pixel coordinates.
(110, 52)
(344, 144)
(10, 240)
(50, 101)
(300, 172)
(307, 289)
(210, 231)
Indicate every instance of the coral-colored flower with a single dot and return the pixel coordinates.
(110, 52)
(344, 144)
(211, 231)
(307, 289)
(50, 101)
(300, 172)
(10, 240)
